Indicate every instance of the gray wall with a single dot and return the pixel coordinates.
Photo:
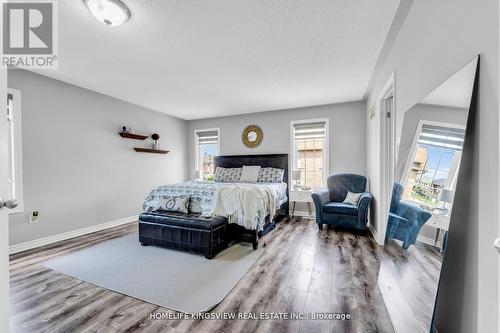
(438, 38)
(77, 171)
(347, 133)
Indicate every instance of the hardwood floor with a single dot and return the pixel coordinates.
(301, 270)
(409, 281)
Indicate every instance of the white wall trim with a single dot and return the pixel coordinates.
(374, 233)
(387, 163)
(196, 157)
(70, 234)
(17, 151)
(414, 143)
(326, 148)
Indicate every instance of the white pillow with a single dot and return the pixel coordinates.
(249, 174)
(352, 198)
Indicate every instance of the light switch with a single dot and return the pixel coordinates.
(34, 217)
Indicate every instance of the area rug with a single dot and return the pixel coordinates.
(172, 279)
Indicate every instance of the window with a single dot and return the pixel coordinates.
(435, 163)
(207, 147)
(14, 153)
(310, 151)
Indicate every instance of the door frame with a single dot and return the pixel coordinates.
(387, 152)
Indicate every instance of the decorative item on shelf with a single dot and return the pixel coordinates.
(196, 175)
(156, 138)
(446, 196)
(252, 136)
(296, 174)
(124, 129)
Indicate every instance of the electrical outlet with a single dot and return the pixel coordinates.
(34, 217)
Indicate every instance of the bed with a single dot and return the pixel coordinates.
(204, 202)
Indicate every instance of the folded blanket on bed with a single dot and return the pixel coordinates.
(203, 197)
(244, 204)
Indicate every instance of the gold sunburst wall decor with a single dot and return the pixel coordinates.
(252, 136)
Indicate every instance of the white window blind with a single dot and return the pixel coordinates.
(442, 137)
(309, 131)
(207, 137)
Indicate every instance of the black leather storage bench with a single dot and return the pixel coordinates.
(190, 233)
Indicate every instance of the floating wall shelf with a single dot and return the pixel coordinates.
(133, 136)
(149, 150)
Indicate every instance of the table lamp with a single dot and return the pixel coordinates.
(446, 196)
(296, 178)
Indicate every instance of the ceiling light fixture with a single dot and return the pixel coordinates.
(110, 12)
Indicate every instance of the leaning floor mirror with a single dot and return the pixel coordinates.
(426, 176)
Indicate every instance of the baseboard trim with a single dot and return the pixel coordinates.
(70, 234)
(374, 233)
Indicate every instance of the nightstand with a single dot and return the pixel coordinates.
(440, 221)
(301, 196)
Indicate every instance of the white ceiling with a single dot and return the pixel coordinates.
(457, 90)
(204, 58)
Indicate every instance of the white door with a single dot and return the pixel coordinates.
(4, 222)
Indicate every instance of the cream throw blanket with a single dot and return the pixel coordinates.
(244, 204)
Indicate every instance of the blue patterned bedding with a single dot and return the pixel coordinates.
(202, 194)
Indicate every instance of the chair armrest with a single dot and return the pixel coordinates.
(363, 207)
(320, 199)
(414, 214)
(395, 223)
(364, 200)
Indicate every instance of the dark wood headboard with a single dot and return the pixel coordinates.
(279, 161)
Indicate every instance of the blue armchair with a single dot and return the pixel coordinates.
(330, 209)
(405, 220)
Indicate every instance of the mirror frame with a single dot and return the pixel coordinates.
(258, 140)
(449, 298)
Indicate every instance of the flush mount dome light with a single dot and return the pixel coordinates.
(110, 12)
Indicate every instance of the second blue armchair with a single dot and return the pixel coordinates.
(405, 219)
(330, 208)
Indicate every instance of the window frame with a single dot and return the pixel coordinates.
(326, 150)
(18, 150)
(413, 149)
(196, 157)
